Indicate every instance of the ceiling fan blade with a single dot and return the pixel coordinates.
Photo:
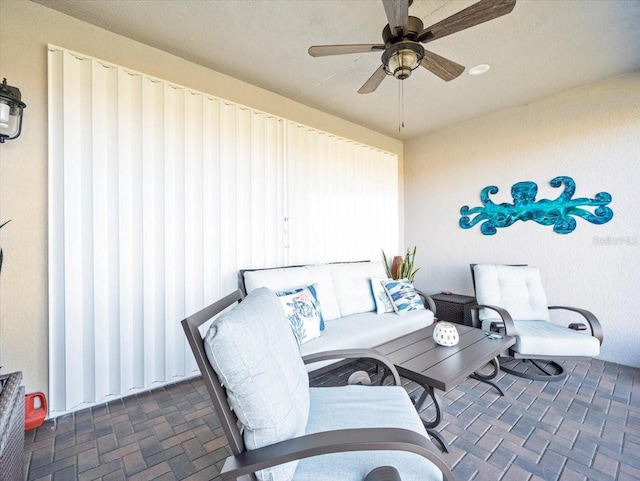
(478, 13)
(397, 14)
(373, 82)
(324, 50)
(443, 67)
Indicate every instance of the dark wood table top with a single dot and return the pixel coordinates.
(418, 358)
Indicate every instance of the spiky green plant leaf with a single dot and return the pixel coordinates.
(406, 268)
(387, 266)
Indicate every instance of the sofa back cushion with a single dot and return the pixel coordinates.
(352, 284)
(281, 279)
(518, 289)
(321, 273)
(256, 357)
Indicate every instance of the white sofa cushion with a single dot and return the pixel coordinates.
(321, 273)
(352, 284)
(285, 279)
(364, 330)
(289, 278)
(518, 289)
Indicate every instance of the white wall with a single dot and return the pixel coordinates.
(591, 134)
(25, 30)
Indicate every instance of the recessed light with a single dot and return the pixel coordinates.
(479, 69)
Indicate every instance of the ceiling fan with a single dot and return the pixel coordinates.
(402, 51)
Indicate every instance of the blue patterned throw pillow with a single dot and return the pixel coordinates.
(302, 310)
(403, 295)
(313, 289)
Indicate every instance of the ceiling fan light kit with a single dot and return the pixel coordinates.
(403, 36)
(401, 59)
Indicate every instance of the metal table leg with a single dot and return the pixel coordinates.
(430, 425)
(487, 378)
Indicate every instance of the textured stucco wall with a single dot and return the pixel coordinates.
(25, 30)
(591, 134)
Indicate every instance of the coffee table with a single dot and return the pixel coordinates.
(418, 358)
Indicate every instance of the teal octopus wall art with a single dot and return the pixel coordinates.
(559, 212)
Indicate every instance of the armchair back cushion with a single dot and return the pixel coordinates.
(257, 360)
(518, 289)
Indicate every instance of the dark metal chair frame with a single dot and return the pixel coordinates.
(558, 372)
(243, 463)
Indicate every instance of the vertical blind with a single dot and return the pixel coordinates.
(342, 198)
(159, 194)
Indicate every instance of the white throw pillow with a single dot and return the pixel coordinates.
(383, 301)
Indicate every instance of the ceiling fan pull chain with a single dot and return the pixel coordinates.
(402, 100)
(399, 106)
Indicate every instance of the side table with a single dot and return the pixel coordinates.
(454, 308)
(11, 427)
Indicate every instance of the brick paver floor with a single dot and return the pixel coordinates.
(585, 428)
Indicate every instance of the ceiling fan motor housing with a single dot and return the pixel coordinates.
(403, 54)
(414, 27)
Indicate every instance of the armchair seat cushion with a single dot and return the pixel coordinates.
(360, 407)
(543, 338)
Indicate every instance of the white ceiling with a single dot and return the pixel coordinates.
(542, 47)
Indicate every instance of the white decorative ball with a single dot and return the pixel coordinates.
(445, 334)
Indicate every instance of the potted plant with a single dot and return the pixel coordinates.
(401, 268)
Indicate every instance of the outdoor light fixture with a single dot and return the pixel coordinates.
(11, 108)
(402, 58)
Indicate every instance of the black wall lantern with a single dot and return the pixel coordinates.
(10, 112)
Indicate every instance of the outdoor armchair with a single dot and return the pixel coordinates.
(280, 429)
(511, 300)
